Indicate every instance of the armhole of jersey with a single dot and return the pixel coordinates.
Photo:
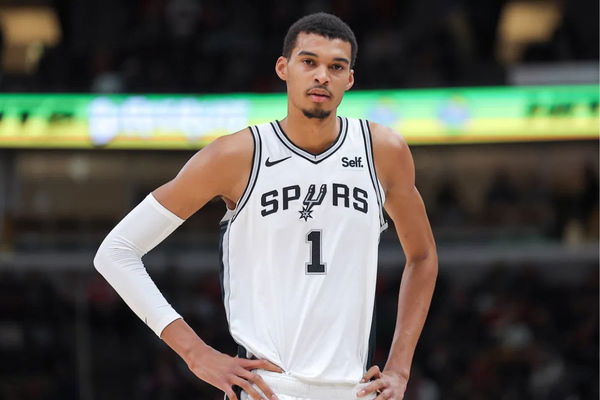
(366, 131)
(224, 225)
(256, 159)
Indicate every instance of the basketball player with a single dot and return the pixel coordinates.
(305, 199)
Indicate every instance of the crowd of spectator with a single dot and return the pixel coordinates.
(148, 46)
(509, 334)
(519, 206)
(513, 208)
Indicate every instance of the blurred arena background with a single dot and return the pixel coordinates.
(512, 198)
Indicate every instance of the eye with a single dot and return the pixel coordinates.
(337, 67)
(308, 61)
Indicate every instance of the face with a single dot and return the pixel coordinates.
(317, 74)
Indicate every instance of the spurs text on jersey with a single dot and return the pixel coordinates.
(309, 198)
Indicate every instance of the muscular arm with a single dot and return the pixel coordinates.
(404, 205)
(220, 169)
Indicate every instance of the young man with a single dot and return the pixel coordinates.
(305, 199)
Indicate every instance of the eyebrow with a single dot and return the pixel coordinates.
(310, 53)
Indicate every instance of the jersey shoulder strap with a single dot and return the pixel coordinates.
(368, 142)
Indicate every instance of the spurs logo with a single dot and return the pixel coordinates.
(287, 198)
(310, 201)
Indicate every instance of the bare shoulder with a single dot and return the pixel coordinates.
(226, 159)
(238, 146)
(385, 136)
(220, 169)
(393, 159)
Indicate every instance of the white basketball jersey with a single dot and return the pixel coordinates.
(299, 254)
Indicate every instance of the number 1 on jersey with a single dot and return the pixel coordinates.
(315, 265)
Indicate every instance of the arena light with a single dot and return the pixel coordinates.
(440, 116)
(27, 29)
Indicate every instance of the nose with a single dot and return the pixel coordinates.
(321, 76)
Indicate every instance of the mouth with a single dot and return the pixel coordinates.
(319, 95)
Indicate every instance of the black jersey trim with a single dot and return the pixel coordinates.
(313, 158)
(372, 339)
(222, 232)
(372, 171)
(256, 160)
(224, 270)
(224, 267)
(376, 183)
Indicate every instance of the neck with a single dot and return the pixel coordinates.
(311, 134)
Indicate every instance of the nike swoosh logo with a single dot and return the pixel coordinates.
(271, 163)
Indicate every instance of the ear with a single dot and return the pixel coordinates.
(281, 68)
(350, 80)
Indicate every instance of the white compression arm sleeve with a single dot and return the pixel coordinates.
(119, 260)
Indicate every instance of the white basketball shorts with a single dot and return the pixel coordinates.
(290, 388)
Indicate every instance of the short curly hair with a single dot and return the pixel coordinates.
(323, 24)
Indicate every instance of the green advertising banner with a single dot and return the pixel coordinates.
(437, 116)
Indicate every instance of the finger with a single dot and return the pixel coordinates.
(260, 364)
(372, 387)
(230, 393)
(385, 395)
(373, 372)
(258, 381)
(247, 387)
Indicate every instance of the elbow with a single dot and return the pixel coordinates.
(104, 257)
(426, 260)
(115, 253)
(100, 259)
